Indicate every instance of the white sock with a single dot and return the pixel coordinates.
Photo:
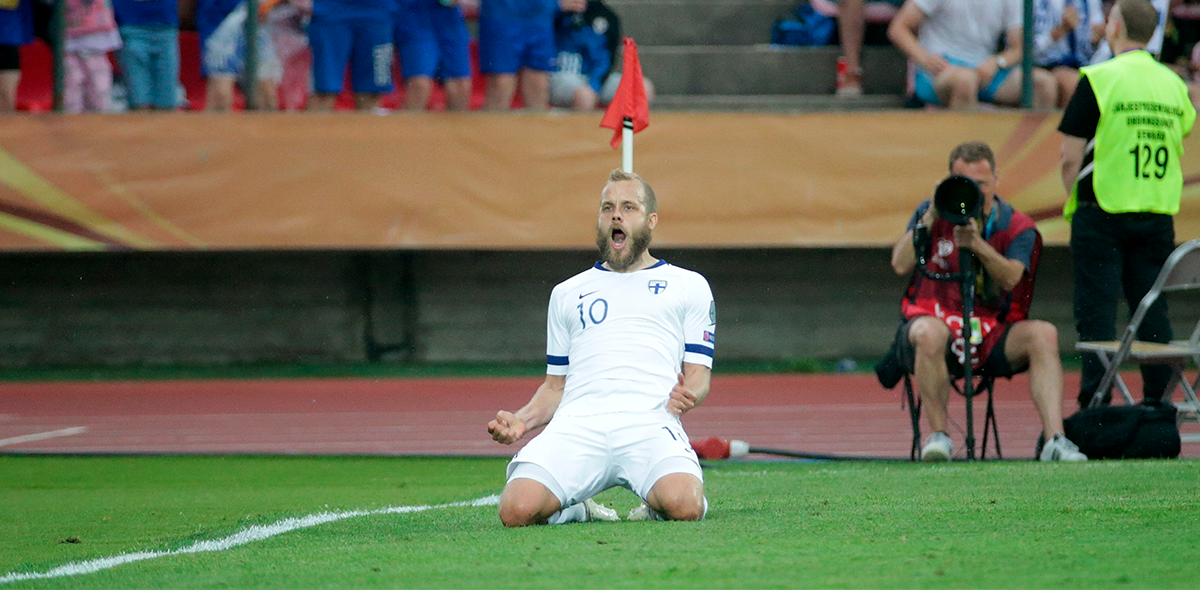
(573, 513)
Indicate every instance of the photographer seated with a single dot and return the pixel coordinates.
(929, 341)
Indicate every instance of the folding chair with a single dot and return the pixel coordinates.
(983, 384)
(1180, 272)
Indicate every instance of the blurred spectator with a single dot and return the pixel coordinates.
(588, 36)
(1193, 76)
(433, 42)
(288, 24)
(1065, 34)
(150, 58)
(852, 16)
(357, 33)
(1179, 39)
(224, 58)
(516, 37)
(16, 29)
(1186, 17)
(954, 46)
(91, 34)
(209, 15)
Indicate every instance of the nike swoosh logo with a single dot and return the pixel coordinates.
(586, 294)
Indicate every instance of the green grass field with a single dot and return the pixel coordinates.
(772, 524)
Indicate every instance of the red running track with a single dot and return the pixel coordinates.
(848, 414)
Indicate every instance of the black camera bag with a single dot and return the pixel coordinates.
(1144, 431)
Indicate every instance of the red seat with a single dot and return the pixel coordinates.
(35, 93)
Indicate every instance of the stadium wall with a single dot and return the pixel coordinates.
(206, 308)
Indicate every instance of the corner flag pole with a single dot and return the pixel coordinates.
(627, 145)
(629, 111)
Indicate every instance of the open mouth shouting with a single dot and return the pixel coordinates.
(618, 239)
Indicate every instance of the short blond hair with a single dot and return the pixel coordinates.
(647, 193)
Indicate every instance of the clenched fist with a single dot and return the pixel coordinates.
(506, 428)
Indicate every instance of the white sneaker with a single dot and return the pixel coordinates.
(1060, 448)
(597, 511)
(938, 447)
(640, 512)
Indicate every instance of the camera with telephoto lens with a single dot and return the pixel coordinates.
(958, 200)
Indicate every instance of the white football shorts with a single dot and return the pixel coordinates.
(579, 457)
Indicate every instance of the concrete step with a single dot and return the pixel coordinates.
(700, 22)
(778, 103)
(766, 69)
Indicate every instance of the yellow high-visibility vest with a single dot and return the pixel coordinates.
(1144, 115)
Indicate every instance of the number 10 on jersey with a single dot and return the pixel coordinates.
(597, 311)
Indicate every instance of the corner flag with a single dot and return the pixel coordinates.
(629, 108)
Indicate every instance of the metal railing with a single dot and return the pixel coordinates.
(1027, 57)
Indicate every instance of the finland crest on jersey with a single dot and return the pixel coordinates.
(621, 338)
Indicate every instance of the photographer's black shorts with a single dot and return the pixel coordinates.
(995, 365)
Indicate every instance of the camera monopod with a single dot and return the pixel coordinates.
(958, 200)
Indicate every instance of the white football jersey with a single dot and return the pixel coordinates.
(621, 338)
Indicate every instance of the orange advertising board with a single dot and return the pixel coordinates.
(510, 181)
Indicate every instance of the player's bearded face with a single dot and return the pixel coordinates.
(622, 247)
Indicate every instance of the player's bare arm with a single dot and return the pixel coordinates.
(510, 427)
(1005, 271)
(690, 390)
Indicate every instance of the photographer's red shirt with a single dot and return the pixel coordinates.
(1011, 233)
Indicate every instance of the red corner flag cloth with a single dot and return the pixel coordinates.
(630, 99)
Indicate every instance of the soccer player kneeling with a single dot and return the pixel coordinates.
(629, 351)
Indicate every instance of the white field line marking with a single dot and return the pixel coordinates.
(42, 435)
(242, 537)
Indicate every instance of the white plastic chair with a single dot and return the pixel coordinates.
(1180, 272)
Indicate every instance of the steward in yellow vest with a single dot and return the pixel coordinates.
(1144, 114)
(1123, 141)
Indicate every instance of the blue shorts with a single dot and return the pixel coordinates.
(209, 15)
(432, 41)
(505, 47)
(923, 83)
(225, 49)
(363, 42)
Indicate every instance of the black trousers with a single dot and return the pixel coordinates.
(1114, 255)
